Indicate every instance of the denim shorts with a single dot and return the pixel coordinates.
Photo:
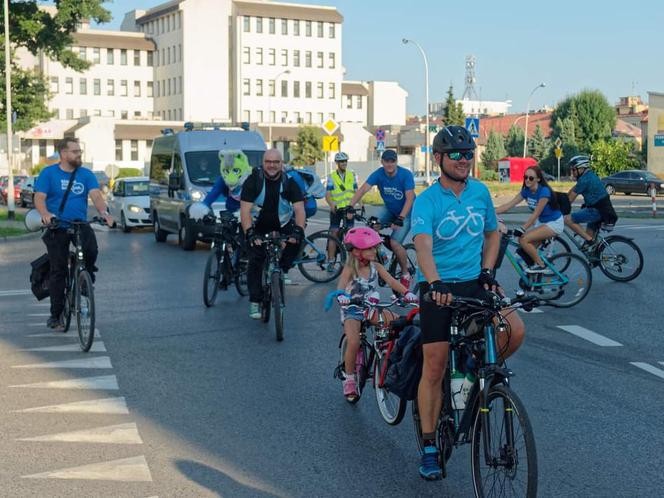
(386, 218)
(587, 215)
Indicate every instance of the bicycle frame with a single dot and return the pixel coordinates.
(321, 256)
(561, 278)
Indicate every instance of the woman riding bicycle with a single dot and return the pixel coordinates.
(359, 279)
(546, 218)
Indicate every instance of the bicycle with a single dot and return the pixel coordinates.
(227, 261)
(273, 283)
(376, 344)
(567, 274)
(312, 259)
(492, 419)
(79, 291)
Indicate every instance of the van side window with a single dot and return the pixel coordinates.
(159, 167)
(117, 189)
(177, 164)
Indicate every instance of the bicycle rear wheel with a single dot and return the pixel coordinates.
(579, 280)
(553, 246)
(240, 271)
(391, 407)
(69, 294)
(85, 310)
(211, 278)
(278, 305)
(504, 460)
(313, 263)
(620, 258)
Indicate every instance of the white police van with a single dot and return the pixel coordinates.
(183, 169)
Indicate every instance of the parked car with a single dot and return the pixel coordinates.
(632, 181)
(4, 182)
(103, 180)
(129, 202)
(27, 193)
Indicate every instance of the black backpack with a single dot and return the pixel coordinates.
(39, 277)
(404, 368)
(564, 204)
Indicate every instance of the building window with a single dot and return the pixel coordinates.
(168, 23)
(359, 102)
(284, 57)
(259, 25)
(69, 86)
(179, 52)
(332, 60)
(284, 88)
(161, 25)
(284, 116)
(259, 56)
(332, 91)
(273, 116)
(319, 60)
(259, 116)
(137, 88)
(170, 115)
(307, 90)
(259, 88)
(308, 117)
(82, 53)
(83, 86)
(272, 27)
(319, 117)
(284, 26)
(156, 63)
(319, 90)
(168, 81)
(331, 115)
(319, 30)
(84, 113)
(123, 56)
(307, 28)
(246, 116)
(181, 87)
(349, 101)
(246, 55)
(245, 86)
(124, 88)
(331, 31)
(55, 84)
(150, 91)
(110, 56)
(96, 86)
(307, 59)
(270, 88)
(70, 115)
(134, 150)
(247, 24)
(168, 55)
(296, 58)
(296, 27)
(271, 56)
(296, 89)
(137, 57)
(96, 55)
(118, 150)
(96, 112)
(150, 59)
(179, 20)
(298, 117)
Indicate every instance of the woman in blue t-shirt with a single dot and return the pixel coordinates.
(546, 218)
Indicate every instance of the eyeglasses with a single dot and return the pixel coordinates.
(267, 161)
(456, 156)
(531, 178)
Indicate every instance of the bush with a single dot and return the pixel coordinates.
(125, 172)
(488, 175)
(36, 169)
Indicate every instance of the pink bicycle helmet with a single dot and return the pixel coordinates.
(362, 238)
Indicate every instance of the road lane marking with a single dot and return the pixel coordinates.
(649, 368)
(98, 362)
(21, 292)
(60, 334)
(97, 347)
(133, 469)
(103, 382)
(589, 335)
(534, 310)
(36, 325)
(112, 434)
(39, 314)
(113, 406)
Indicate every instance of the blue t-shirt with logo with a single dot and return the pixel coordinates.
(456, 226)
(393, 188)
(548, 213)
(53, 182)
(590, 187)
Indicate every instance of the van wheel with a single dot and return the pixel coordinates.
(186, 235)
(123, 223)
(159, 234)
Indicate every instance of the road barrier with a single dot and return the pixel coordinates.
(653, 196)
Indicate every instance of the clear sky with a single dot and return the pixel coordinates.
(569, 45)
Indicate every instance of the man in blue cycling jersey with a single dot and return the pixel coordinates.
(455, 232)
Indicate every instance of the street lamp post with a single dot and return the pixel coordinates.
(269, 105)
(8, 108)
(525, 132)
(427, 167)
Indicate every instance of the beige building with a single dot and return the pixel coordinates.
(655, 133)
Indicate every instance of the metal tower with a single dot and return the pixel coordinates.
(469, 92)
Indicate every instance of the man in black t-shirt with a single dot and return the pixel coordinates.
(270, 201)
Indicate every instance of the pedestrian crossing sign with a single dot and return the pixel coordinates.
(473, 127)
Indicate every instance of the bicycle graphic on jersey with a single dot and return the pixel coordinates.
(452, 225)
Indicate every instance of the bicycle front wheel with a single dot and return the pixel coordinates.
(620, 258)
(278, 305)
(503, 453)
(85, 310)
(313, 262)
(578, 278)
(553, 246)
(240, 270)
(391, 407)
(211, 278)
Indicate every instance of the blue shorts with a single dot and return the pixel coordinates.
(386, 218)
(591, 216)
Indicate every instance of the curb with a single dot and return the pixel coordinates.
(20, 237)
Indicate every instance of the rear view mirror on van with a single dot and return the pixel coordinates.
(174, 181)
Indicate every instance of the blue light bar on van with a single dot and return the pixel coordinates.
(167, 131)
(244, 125)
(191, 126)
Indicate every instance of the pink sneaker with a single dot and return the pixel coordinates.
(406, 280)
(350, 389)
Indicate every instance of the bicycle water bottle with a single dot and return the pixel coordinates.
(456, 383)
(467, 386)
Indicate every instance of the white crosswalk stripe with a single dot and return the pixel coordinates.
(97, 347)
(112, 434)
(649, 368)
(133, 469)
(109, 406)
(98, 362)
(104, 382)
(589, 335)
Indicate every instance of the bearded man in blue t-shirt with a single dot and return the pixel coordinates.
(397, 189)
(50, 189)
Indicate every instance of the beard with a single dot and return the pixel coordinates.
(273, 177)
(453, 176)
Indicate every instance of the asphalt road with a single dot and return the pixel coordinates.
(205, 402)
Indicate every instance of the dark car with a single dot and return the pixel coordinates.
(103, 180)
(4, 181)
(632, 181)
(27, 196)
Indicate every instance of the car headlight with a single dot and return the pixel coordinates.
(197, 195)
(134, 209)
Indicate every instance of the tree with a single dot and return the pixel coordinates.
(538, 145)
(495, 150)
(514, 141)
(309, 146)
(611, 156)
(453, 114)
(569, 147)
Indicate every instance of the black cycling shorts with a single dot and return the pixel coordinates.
(435, 321)
(335, 220)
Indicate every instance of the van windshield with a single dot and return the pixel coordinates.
(203, 165)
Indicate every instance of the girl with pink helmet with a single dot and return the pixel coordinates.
(359, 279)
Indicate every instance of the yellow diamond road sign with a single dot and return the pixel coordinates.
(330, 143)
(558, 151)
(330, 126)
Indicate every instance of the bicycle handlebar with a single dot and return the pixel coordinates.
(497, 303)
(56, 222)
(367, 303)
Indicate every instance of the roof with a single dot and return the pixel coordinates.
(159, 10)
(622, 127)
(348, 88)
(131, 130)
(287, 10)
(113, 39)
(502, 124)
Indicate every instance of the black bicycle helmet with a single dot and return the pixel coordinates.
(579, 162)
(453, 138)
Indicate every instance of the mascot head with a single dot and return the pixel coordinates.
(234, 167)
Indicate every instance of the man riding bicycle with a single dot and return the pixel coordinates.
(597, 207)
(341, 186)
(268, 203)
(50, 188)
(397, 189)
(456, 238)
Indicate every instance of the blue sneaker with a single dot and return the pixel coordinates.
(430, 468)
